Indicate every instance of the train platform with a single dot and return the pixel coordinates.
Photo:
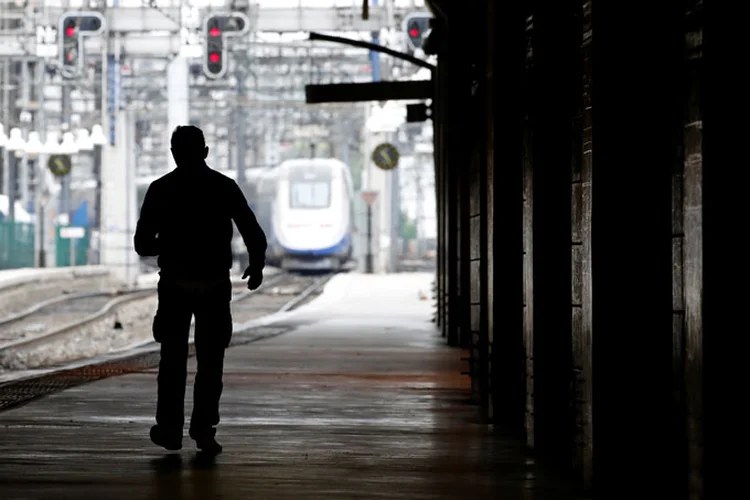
(354, 396)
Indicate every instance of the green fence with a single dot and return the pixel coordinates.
(63, 247)
(16, 245)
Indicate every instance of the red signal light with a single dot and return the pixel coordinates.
(414, 32)
(214, 32)
(70, 31)
(213, 57)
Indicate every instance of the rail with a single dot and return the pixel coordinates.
(14, 393)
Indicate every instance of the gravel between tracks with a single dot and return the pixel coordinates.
(20, 298)
(52, 316)
(121, 327)
(131, 323)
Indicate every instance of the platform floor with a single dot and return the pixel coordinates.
(360, 400)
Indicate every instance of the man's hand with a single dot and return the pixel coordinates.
(255, 278)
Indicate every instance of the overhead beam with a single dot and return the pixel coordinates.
(279, 20)
(370, 91)
(320, 19)
(136, 44)
(131, 19)
(139, 19)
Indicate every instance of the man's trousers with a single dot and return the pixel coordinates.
(180, 300)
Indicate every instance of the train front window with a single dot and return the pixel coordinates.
(314, 194)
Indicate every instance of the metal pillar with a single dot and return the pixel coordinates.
(419, 218)
(12, 173)
(40, 187)
(98, 192)
(22, 166)
(42, 251)
(240, 130)
(6, 117)
(374, 56)
(395, 199)
(130, 195)
(65, 204)
(368, 256)
(178, 96)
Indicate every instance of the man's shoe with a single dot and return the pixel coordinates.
(205, 441)
(170, 440)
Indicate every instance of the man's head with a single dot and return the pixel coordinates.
(188, 145)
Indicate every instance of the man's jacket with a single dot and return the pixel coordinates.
(186, 220)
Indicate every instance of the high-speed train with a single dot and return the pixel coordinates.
(306, 208)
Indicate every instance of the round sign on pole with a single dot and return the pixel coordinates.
(59, 165)
(385, 156)
(369, 197)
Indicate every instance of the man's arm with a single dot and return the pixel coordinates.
(146, 239)
(251, 232)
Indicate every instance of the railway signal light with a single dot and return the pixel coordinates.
(70, 43)
(217, 27)
(74, 27)
(416, 26)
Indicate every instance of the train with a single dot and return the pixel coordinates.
(306, 208)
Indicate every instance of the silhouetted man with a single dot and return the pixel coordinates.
(186, 220)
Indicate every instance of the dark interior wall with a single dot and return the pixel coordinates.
(452, 162)
(527, 224)
(469, 116)
(487, 223)
(468, 179)
(463, 55)
(477, 187)
(460, 158)
(581, 304)
(549, 104)
(505, 236)
(442, 127)
(716, 139)
(438, 148)
(690, 338)
(636, 110)
(572, 182)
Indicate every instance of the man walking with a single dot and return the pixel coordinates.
(186, 220)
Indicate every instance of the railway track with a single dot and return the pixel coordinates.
(85, 324)
(72, 316)
(291, 290)
(56, 311)
(15, 298)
